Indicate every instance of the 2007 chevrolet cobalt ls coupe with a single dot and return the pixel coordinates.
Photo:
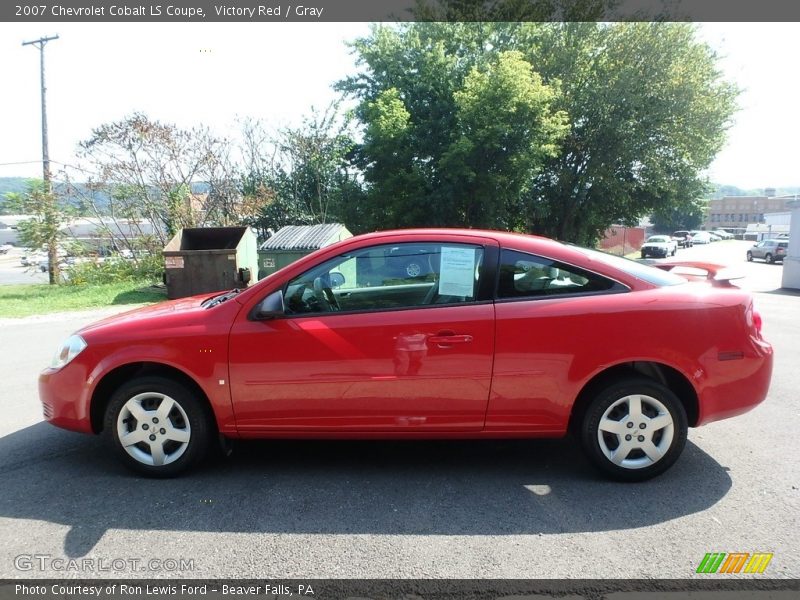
(500, 335)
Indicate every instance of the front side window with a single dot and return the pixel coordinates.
(388, 277)
(525, 275)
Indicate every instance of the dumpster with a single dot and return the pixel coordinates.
(295, 241)
(210, 259)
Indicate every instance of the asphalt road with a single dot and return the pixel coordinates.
(527, 509)
(12, 271)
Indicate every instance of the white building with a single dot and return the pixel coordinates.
(92, 231)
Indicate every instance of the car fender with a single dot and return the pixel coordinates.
(210, 375)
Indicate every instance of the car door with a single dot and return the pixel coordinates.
(546, 327)
(364, 346)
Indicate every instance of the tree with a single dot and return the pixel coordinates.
(645, 105)
(44, 229)
(301, 175)
(686, 215)
(152, 170)
(454, 132)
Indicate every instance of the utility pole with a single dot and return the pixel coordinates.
(52, 247)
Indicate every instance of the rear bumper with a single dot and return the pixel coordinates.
(743, 385)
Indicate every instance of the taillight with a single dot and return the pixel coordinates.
(757, 322)
(753, 318)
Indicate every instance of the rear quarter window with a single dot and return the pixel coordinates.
(524, 275)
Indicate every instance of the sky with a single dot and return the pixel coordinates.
(214, 73)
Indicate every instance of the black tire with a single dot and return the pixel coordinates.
(644, 255)
(667, 441)
(189, 418)
(749, 256)
(769, 258)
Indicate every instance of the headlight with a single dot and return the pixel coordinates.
(69, 350)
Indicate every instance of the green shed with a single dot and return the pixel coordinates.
(296, 241)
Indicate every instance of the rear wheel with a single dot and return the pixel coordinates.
(769, 258)
(634, 430)
(157, 426)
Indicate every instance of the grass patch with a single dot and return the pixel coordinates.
(26, 300)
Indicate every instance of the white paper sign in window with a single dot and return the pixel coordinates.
(457, 273)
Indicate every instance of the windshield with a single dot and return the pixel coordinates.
(639, 270)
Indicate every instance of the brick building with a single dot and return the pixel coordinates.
(740, 211)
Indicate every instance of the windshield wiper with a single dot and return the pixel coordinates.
(214, 300)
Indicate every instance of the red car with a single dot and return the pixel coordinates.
(506, 336)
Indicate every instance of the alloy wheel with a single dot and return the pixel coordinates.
(153, 429)
(636, 431)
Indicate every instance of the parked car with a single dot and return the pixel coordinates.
(515, 336)
(410, 262)
(683, 239)
(63, 261)
(659, 246)
(721, 233)
(5, 248)
(769, 250)
(31, 258)
(701, 237)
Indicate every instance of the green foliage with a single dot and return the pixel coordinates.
(685, 215)
(302, 176)
(47, 215)
(43, 230)
(97, 271)
(25, 300)
(557, 128)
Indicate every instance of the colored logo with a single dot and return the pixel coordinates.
(734, 562)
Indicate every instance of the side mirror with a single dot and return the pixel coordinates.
(270, 307)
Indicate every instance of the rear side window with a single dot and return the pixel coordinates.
(525, 275)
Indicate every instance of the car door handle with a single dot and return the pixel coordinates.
(444, 339)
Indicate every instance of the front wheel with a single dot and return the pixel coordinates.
(157, 426)
(634, 430)
(749, 256)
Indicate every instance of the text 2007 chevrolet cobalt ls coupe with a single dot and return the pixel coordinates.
(499, 336)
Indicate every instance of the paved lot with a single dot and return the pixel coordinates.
(392, 509)
(12, 271)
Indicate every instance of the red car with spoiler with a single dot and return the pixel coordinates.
(495, 335)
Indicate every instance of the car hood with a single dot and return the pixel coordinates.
(154, 312)
(655, 244)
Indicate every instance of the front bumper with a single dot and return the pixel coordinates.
(65, 397)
